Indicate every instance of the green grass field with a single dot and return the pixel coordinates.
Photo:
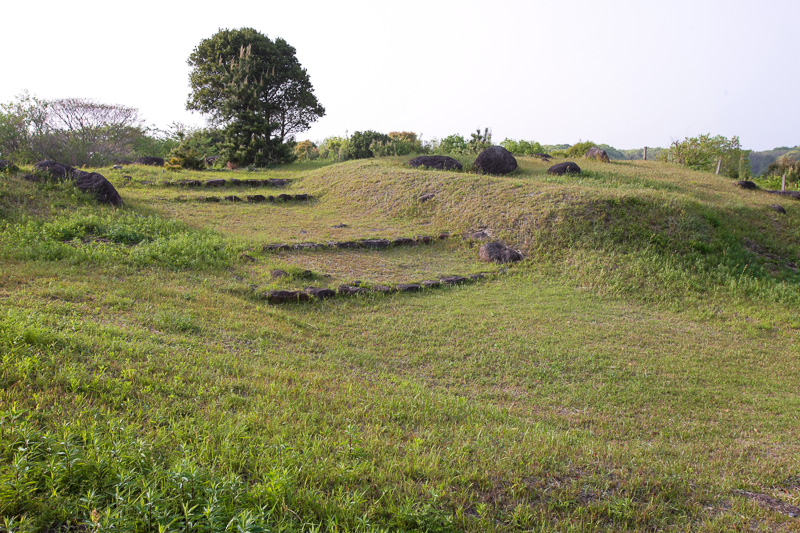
(637, 371)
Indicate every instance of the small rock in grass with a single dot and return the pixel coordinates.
(425, 197)
(349, 290)
(430, 284)
(233, 198)
(424, 239)
(283, 297)
(278, 273)
(215, 183)
(302, 197)
(256, 198)
(441, 162)
(284, 197)
(403, 241)
(383, 289)
(454, 280)
(339, 226)
(408, 287)
(376, 243)
(320, 292)
(778, 209)
(498, 253)
(567, 167)
(150, 161)
(746, 184)
(211, 199)
(597, 153)
(480, 235)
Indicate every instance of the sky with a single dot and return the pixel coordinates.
(628, 73)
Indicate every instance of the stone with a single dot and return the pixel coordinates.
(233, 198)
(215, 183)
(430, 284)
(270, 198)
(425, 197)
(189, 183)
(409, 287)
(376, 243)
(211, 199)
(543, 157)
(99, 187)
(495, 160)
(441, 162)
(150, 161)
(250, 183)
(424, 239)
(383, 289)
(248, 257)
(320, 292)
(256, 198)
(480, 235)
(284, 197)
(349, 290)
(302, 197)
(454, 280)
(498, 253)
(8, 166)
(567, 167)
(283, 297)
(117, 167)
(276, 182)
(444, 236)
(746, 184)
(597, 153)
(54, 169)
(339, 226)
(403, 241)
(778, 209)
(790, 194)
(476, 277)
(234, 181)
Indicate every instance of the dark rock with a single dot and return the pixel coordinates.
(425, 197)
(211, 199)
(307, 246)
(430, 284)
(567, 167)
(302, 197)
(54, 169)
(233, 198)
(249, 258)
(495, 160)
(276, 182)
(270, 198)
(746, 184)
(444, 236)
(189, 183)
(349, 290)
(543, 157)
(8, 166)
(339, 226)
(78, 173)
(454, 280)
(151, 161)
(276, 247)
(117, 167)
(441, 162)
(597, 153)
(409, 287)
(383, 289)
(498, 253)
(376, 243)
(100, 187)
(257, 198)
(234, 181)
(320, 292)
(284, 297)
(403, 241)
(215, 183)
(790, 194)
(476, 277)
(250, 183)
(31, 177)
(778, 209)
(424, 239)
(284, 197)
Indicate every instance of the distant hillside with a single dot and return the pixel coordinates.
(614, 153)
(759, 161)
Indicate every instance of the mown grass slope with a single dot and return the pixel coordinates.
(637, 371)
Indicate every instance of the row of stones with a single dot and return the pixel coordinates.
(272, 182)
(321, 293)
(377, 244)
(259, 198)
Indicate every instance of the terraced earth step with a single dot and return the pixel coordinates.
(375, 244)
(322, 293)
(230, 182)
(259, 198)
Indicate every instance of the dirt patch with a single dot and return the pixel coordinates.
(768, 502)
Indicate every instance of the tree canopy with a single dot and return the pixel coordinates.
(256, 89)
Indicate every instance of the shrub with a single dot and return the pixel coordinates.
(452, 144)
(360, 144)
(522, 147)
(306, 151)
(334, 148)
(580, 149)
(706, 152)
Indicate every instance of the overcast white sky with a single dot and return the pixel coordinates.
(628, 73)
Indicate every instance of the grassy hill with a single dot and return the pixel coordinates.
(637, 371)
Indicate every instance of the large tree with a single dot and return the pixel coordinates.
(256, 89)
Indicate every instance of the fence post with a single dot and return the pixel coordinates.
(645, 153)
(719, 164)
(783, 182)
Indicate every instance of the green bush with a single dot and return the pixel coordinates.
(580, 149)
(706, 152)
(522, 147)
(452, 144)
(361, 142)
